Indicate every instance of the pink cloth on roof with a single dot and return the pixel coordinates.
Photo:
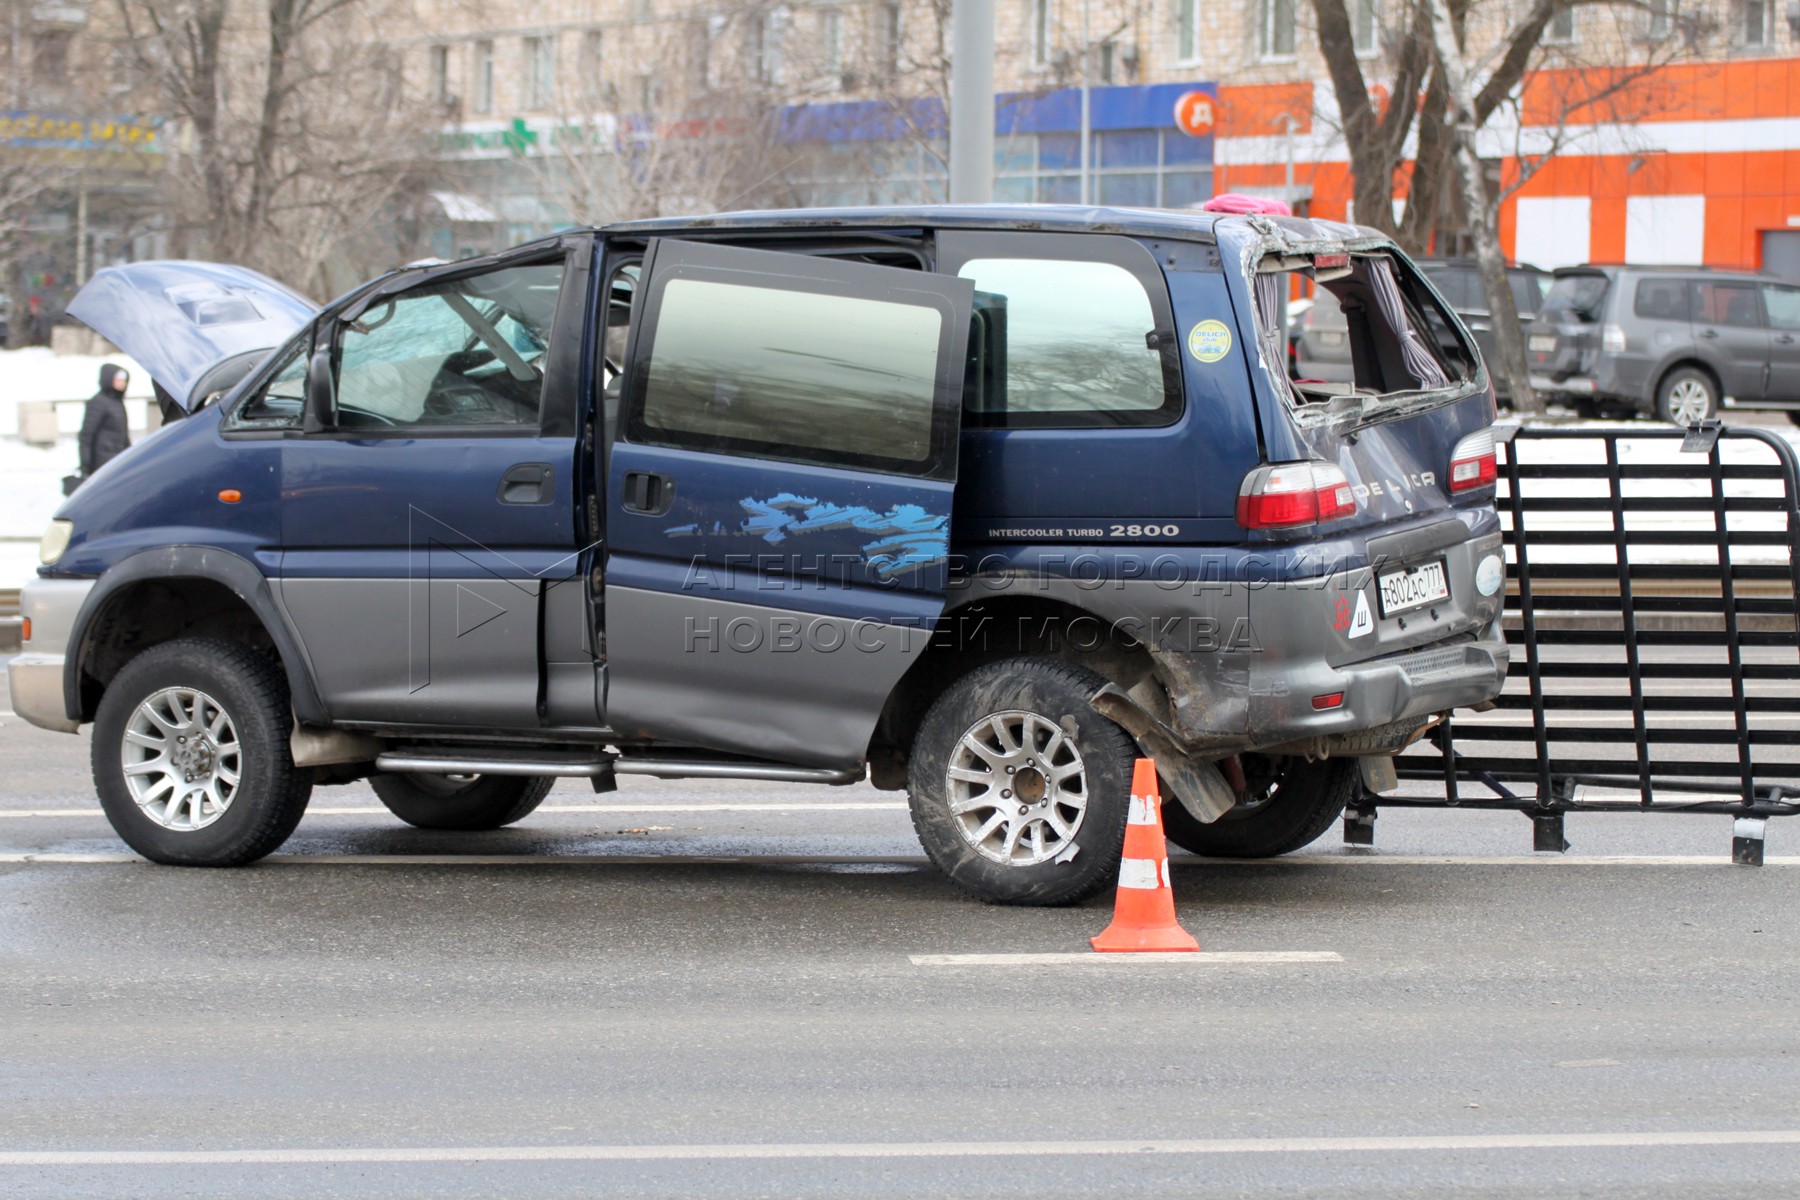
(1237, 202)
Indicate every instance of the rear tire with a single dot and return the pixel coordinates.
(1019, 789)
(1306, 798)
(466, 803)
(191, 755)
(1686, 395)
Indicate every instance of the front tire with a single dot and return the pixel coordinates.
(191, 755)
(1019, 790)
(1289, 803)
(1687, 395)
(461, 802)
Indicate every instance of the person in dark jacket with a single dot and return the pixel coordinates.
(104, 435)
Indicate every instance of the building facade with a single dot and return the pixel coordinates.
(1696, 161)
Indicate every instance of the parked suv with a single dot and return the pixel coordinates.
(1675, 342)
(1323, 350)
(982, 503)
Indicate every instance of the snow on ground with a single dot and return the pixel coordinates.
(67, 380)
(31, 476)
(30, 490)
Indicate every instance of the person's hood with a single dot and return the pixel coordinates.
(182, 320)
(107, 371)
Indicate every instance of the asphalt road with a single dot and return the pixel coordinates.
(372, 1013)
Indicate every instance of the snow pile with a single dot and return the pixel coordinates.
(36, 374)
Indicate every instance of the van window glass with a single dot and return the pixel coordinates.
(1579, 294)
(1061, 341)
(793, 375)
(1661, 300)
(1783, 303)
(1723, 303)
(464, 353)
(280, 400)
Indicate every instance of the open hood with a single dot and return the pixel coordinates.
(183, 320)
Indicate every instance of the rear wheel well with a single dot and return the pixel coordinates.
(987, 631)
(153, 611)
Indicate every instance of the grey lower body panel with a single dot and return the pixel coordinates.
(461, 652)
(767, 682)
(35, 677)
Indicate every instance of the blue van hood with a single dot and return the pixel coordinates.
(180, 320)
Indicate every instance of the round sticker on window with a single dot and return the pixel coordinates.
(1209, 341)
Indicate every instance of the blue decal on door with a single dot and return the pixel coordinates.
(911, 538)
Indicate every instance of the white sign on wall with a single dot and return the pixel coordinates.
(1552, 231)
(1665, 229)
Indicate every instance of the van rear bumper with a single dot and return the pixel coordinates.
(1319, 660)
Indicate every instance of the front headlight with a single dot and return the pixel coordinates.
(55, 541)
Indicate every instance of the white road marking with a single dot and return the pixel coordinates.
(508, 860)
(1500, 860)
(839, 1150)
(1203, 958)
(57, 858)
(377, 810)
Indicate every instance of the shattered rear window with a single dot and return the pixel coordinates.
(1404, 348)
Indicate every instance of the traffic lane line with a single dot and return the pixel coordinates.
(837, 1150)
(52, 858)
(527, 860)
(1199, 958)
(359, 810)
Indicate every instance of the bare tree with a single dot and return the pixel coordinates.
(291, 130)
(29, 181)
(1375, 134)
(702, 131)
(1430, 47)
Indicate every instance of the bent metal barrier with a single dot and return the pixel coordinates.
(1652, 579)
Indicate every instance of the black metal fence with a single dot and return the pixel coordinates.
(1652, 581)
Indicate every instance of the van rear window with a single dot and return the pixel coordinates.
(1397, 337)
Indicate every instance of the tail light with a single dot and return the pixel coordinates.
(1472, 462)
(1612, 339)
(1291, 494)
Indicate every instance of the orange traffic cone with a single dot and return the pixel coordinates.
(1144, 913)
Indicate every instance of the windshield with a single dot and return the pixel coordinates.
(1579, 294)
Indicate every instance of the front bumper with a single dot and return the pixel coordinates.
(36, 675)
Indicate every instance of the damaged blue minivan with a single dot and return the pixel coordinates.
(981, 503)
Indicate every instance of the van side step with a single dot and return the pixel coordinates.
(657, 766)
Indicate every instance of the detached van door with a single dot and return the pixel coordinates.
(779, 497)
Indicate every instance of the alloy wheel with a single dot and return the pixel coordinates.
(181, 758)
(1017, 788)
(1689, 401)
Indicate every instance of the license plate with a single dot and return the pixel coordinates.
(1331, 339)
(1543, 343)
(1404, 590)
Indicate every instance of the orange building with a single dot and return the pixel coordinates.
(1691, 163)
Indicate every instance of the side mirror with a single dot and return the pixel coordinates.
(321, 394)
